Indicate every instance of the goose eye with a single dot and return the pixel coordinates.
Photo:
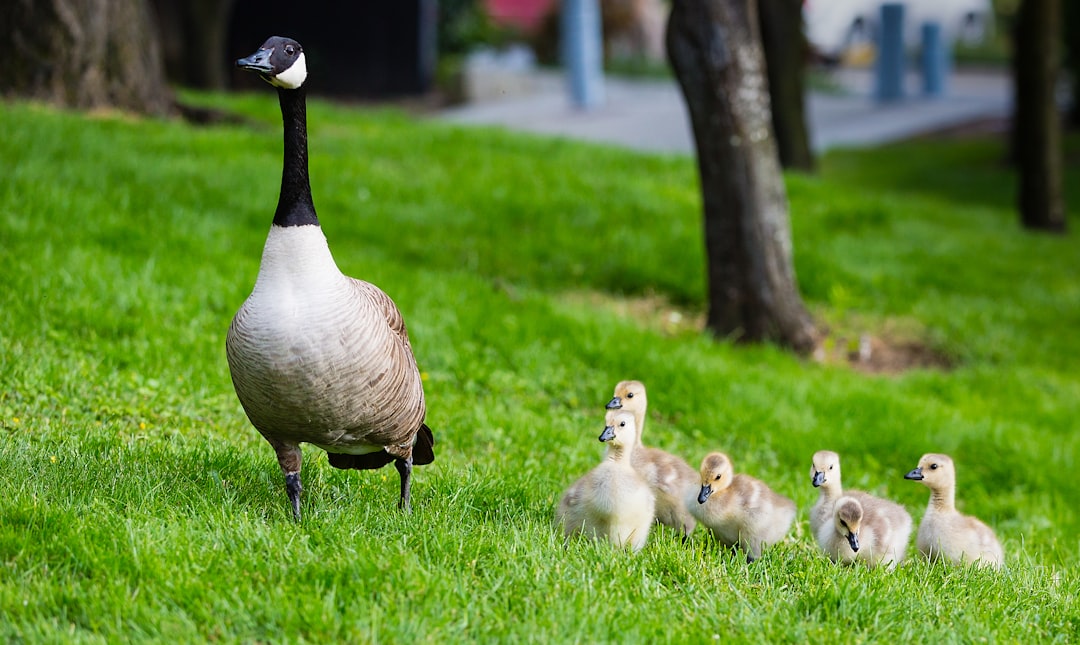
(717, 478)
(933, 466)
(622, 424)
(629, 395)
(830, 467)
(290, 50)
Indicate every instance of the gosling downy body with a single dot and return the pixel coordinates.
(316, 356)
(612, 501)
(944, 532)
(740, 510)
(825, 476)
(866, 529)
(887, 523)
(673, 481)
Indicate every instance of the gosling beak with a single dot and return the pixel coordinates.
(915, 474)
(614, 404)
(706, 490)
(608, 434)
(257, 62)
(819, 478)
(853, 541)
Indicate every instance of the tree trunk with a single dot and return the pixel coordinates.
(1037, 145)
(785, 59)
(715, 51)
(84, 54)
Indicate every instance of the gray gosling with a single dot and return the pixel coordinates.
(612, 501)
(740, 510)
(944, 532)
(866, 529)
(888, 523)
(673, 481)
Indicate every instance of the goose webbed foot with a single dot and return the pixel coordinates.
(404, 468)
(293, 488)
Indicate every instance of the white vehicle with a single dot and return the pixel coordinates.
(835, 26)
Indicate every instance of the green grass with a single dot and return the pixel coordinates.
(140, 504)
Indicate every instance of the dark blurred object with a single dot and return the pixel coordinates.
(369, 49)
(193, 34)
(1037, 129)
(786, 57)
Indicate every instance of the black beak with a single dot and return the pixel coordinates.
(915, 474)
(819, 478)
(706, 490)
(608, 434)
(614, 404)
(853, 541)
(257, 62)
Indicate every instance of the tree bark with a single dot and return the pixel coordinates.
(1037, 128)
(785, 59)
(716, 53)
(84, 54)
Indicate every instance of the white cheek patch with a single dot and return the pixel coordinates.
(293, 77)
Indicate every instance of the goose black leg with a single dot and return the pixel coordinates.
(293, 488)
(404, 468)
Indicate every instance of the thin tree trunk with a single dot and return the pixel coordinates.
(716, 53)
(1037, 145)
(785, 59)
(84, 54)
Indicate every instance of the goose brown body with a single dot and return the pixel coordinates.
(319, 357)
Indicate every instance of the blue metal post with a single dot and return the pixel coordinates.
(934, 59)
(583, 53)
(890, 55)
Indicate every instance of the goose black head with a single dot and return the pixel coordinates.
(279, 61)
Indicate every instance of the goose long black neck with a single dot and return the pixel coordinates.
(295, 207)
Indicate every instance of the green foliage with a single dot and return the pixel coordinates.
(140, 504)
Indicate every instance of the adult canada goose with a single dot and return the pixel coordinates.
(866, 529)
(740, 510)
(317, 356)
(890, 524)
(673, 481)
(611, 501)
(944, 532)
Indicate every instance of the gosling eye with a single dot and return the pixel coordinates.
(629, 395)
(622, 424)
(830, 467)
(717, 478)
(933, 466)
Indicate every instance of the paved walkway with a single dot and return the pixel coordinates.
(650, 115)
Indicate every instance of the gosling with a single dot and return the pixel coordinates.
(612, 501)
(825, 474)
(944, 532)
(740, 510)
(673, 481)
(866, 529)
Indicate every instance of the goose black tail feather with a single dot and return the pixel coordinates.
(370, 461)
(423, 454)
(423, 451)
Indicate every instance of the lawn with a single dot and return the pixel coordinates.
(139, 503)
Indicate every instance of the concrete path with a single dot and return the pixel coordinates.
(650, 115)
